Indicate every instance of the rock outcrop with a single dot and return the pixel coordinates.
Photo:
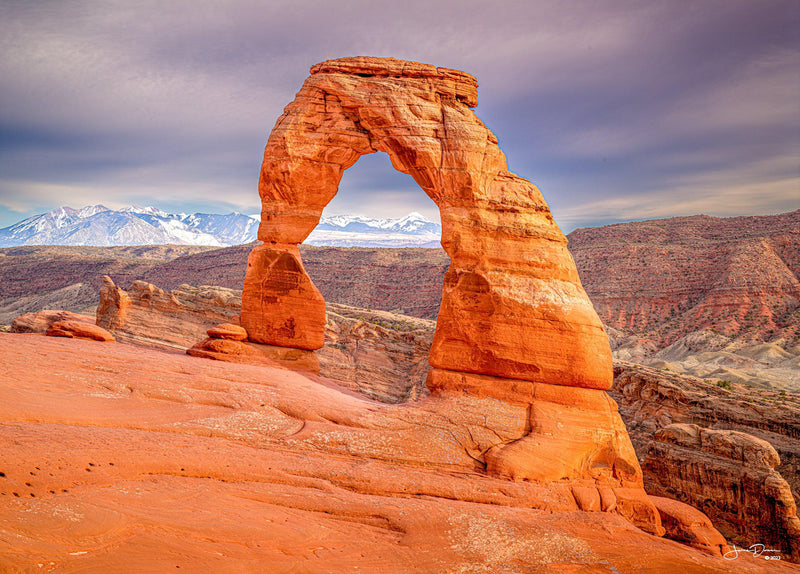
(516, 333)
(512, 305)
(688, 525)
(148, 315)
(650, 399)
(37, 277)
(228, 331)
(228, 342)
(381, 355)
(78, 330)
(731, 477)
(666, 278)
(112, 311)
(40, 321)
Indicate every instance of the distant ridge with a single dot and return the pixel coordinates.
(99, 226)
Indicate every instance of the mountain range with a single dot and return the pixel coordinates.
(413, 230)
(98, 225)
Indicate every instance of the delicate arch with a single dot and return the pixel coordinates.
(512, 303)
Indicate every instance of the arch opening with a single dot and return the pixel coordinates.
(380, 316)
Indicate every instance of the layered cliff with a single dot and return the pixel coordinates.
(663, 279)
(731, 477)
(731, 452)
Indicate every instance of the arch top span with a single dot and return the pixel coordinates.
(512, 304)
(445, 81)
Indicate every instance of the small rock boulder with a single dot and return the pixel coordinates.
(228, 331)
(79, 330)
(688, 525)
(255, 354)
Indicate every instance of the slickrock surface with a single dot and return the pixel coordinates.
(731, 477)
(512, 305)
(667, 278)
(135, 459)
(383, 355)
(79, 330)
(40, 321)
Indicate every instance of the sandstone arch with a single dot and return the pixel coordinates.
(512, 304)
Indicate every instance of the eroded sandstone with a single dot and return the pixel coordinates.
(512, 307)
(731, 477)
(78, 330)
(382, 355)
(40, 321)
(686, 524)
(148, 315)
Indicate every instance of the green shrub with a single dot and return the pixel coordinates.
(727, 385)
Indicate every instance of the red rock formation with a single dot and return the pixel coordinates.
(228, 342)
(515, 323)
(38, 277)
(731, 477)
(570, 432)
(690, 526)
(151, 316)
(280, 304)
(382, 355)
(650, 399)
(112, 311)
(512, 304)
(228, 331)
(239, 351)
(40, 321)
(78, 330)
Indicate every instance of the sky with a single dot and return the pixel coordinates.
(616, 110)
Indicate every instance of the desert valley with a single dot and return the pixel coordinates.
(503, 404)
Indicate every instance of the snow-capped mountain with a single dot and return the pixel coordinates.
(100, 226)
(413, 230)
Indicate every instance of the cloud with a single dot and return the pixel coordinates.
(171, 103)
(772, 184)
